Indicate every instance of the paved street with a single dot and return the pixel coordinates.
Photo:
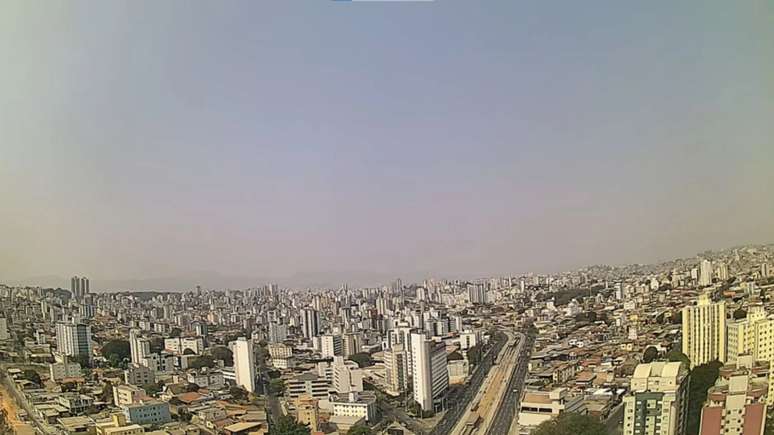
(506, 413)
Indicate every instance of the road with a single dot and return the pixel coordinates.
(457, 406)
(507, 415)
(486, 395)
(40, 425)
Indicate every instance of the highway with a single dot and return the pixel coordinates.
(506, 416)
(459, 406)
(486, 395)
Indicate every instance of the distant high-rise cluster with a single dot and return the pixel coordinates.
(79, 287)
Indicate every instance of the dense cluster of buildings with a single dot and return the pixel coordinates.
(616, 343)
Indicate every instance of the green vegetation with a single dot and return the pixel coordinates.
(83, 360)
(175, 332)
(32, 376)
(359, 430)
(287, 425)
(191, 387)
(569, 423)
(225, 354)
(362, 359)
(202, 361)
(276, 386)
(650, 354)
(238, 393)
(156, 344)
(474, 354)
(115, 351)
(677, 356)
(153, 389)
(701, 379)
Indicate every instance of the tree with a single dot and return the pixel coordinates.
(701, 379)
(650, 354)
(237, 393)
(569, 423)
(83, 360)
(156, 344)
(184, 414)
(191, 387)
(119, 348)
(175, 332)
(69, 386)
(362, 359)
(153, 389)
(287, 425)
(225, 354)
(677, 356)
(739, 313)
(107, 392)
(359, 430)
(32, 376)
(202, 361)
(474, 354)
(276, 386)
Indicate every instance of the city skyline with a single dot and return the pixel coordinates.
(383, 140)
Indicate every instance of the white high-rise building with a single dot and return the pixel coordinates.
(704, 331)
(396, 364)
(244, 364)
(721, 271)
(277, 332)
(705, 274)
(79, 287)
(330, 345)
(139, 347)
(658, 400)
(765, 270)
(431, 376)
(73, 339)
(4, 329)
(347, 376)
(310, 323)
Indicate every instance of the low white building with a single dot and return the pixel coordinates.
(206, 378)
(355, 404)
(539, 406)
(62, 370)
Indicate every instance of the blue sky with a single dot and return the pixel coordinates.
(449, 138)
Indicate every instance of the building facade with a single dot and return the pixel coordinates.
(658, 400)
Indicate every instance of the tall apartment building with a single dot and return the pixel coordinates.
(73, 339)
(277, 332)
(79, 287)
(396, 363)
(705, 273)
(350, 345)
(330, 346)
(138, 346)
(736, 405)
(310, 323)
(347, 376)
(4, 329)
(704, 331)
(657, 403)
(431, 376)
(244, 363)
(753, 335)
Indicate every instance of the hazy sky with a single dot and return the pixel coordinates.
(269, 138)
